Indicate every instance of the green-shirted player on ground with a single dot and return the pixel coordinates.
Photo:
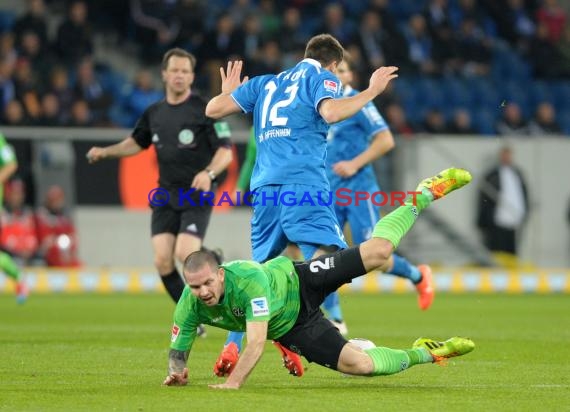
(8, 166)
(280, 300)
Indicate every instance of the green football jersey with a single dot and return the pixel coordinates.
(7, 156)
(252, 292)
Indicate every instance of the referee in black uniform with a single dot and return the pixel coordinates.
(191, 150)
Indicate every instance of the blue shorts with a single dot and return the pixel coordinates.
(292, 214)
(362, 217)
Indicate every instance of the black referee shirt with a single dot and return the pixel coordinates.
(184, 138)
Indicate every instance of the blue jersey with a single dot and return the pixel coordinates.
(290, 133)
(349, 138)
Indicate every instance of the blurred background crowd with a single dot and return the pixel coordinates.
(466, 67)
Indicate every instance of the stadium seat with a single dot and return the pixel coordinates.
(7, 20)
(484, 121)
(540, 91)
(563, 119)
(561, 94)
(484, 93)
(456, 92)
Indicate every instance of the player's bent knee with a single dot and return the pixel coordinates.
(354, 361)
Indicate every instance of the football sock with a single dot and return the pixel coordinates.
(9, 267)
(390, 361)
(332, 306)
(404, 269)
(174, 285)
(395, 225)
(235, 337)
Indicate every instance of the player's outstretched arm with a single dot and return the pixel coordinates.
(256, 337)
(223, 105)
(127, 147)
(177, 370)
(335, 110)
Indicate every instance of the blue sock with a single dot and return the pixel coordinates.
(236, 337)
(405, 269)
(332, 306)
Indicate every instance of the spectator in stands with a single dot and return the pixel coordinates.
(35, 21)
(56, 231)
(396, 118)
(437, 17)
(419, 45)
(372, 40)
(434, 122)
(503, 205)
(18, 236)
(81, 115)
(74, 37)
(545, 56)
(14, 114)
(8, 52)
(564, 51)
(521, 23)
(512, 122)
(270, 21)
(157, 27)
(39, 57)
(292, 38)
(27, 86)
(335, 23)
(192, 16)
(7, 85)
(51, 111)
(554, 17)
(143, 94)
(251, 37)
(90, 89)
(446, 53)
(240, 10)
(474, 48)
(267, 61)
(544, 121)
(59, 85)
(461, 123)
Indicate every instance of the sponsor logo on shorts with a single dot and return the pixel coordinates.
(260, 306)
(175, 332)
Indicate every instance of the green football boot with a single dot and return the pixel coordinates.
(441, 351)
(444, 183)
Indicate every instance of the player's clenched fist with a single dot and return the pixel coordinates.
(95, 154)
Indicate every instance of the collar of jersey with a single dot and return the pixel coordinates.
(313, 62)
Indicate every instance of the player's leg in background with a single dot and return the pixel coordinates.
(11, 269)
(362, 218)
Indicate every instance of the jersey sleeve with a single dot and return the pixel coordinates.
(142, 132)
(371, 120)
(324, 86)
(257, 296)
(219, 134)
(247, 94)
(185, 322)
(6, 152)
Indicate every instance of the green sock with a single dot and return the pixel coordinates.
(9, 267)
(419, 356)
(395, 225)
(388, 361)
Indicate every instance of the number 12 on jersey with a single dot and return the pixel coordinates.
(290, 94)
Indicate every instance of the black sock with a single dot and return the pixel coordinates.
(173, 284)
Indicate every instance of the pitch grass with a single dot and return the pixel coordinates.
(108, 352)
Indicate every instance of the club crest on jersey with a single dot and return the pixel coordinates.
(238, 312)
(186, 136)
(175, 332)
(331, 86)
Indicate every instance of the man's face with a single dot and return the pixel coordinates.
(178, 75)
(207, 284)
(344, 74)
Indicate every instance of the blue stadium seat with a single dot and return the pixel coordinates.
(456, 92)
(7, 20)
(561, 94)
(484, 94)
(430, 92)
(540, 91)
(484, 121)
(563, 119)
(517, 92)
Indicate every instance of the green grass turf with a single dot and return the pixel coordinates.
(109, 352)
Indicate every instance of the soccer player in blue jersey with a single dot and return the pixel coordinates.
(353, 145)
(291, 114)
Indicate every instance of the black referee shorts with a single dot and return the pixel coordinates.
(313, 336)
(192, 220)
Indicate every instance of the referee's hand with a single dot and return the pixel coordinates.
(202, 181)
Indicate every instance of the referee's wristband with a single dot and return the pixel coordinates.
(211, 174)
